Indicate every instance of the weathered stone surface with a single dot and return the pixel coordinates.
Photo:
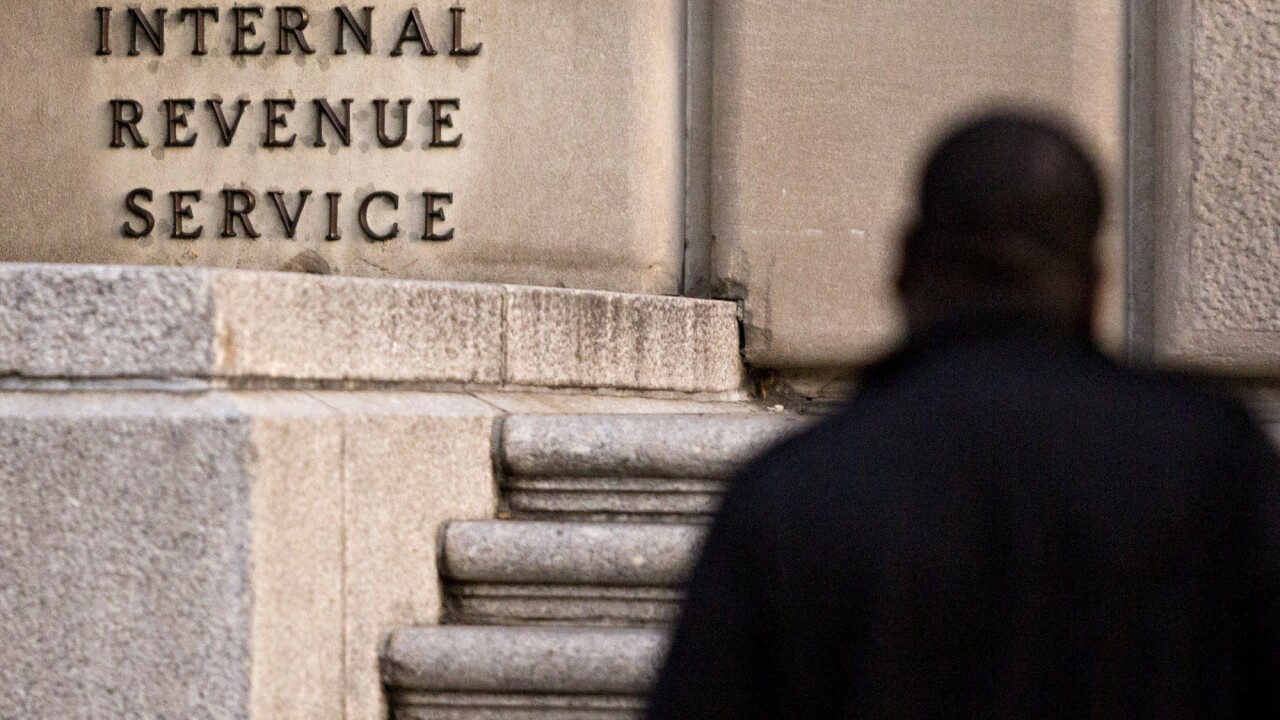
(522, 660)
(639, 446)
(1207, 185)
(568, 172)
(560, 338)
(569, 553)
(298, 326)
(63, 322)
(809, 185)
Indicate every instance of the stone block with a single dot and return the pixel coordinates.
(225, 555)
(410, 462)
(66, 321)
(570, 553)
(143, 545)
(558, 338)
(294, 464)
(274, 325)
(1207, 186)
(809, 185)
(639, 446)
(522, 660)
(567, 172)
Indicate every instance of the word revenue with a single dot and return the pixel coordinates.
(240, 30)
(176, 117)
(238, 206)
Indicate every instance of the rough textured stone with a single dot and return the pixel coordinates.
(641, 446)
(515, 660)
(560, 338)
(809, 184)
(568, 172)
(299, 326)
(58, 320)
(125, 557)
(410, 462)
(1206, 185)
(569, 553)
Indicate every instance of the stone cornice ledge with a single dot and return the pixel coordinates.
(92, 322)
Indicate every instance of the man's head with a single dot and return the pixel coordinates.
(1009, 209)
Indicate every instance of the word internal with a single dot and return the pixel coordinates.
(291, 25)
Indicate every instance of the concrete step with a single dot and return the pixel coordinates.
(516, 572)
(646, 468)
(503, 673)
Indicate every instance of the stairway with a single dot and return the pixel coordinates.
(558, 609)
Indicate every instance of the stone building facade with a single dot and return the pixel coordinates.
(390, 357)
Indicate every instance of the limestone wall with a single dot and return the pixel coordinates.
(566, 170)
(818, 117)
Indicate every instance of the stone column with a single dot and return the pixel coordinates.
(1205, 183)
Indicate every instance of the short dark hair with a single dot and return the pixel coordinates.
(1009, 206)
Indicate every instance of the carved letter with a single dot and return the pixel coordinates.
(148, 220)
(293, 20)
(275, 120)
(380, 110)
(290, 223)
(394, 200)
(182, 211)
(199, 13)
(457, 49)
(436, 214)
(230, 212)
(245, 29)
(334, 233)
(342, 126)
(176, 118)
(104, 31)
(414, 32)
(120, 123)
(348, 21)
(154, 33)
(441, 120)
(224, 130)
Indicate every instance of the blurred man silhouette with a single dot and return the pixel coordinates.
(1003, 523)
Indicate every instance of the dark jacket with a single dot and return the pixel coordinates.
(1002, 524)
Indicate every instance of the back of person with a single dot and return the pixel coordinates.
(1002, 524)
